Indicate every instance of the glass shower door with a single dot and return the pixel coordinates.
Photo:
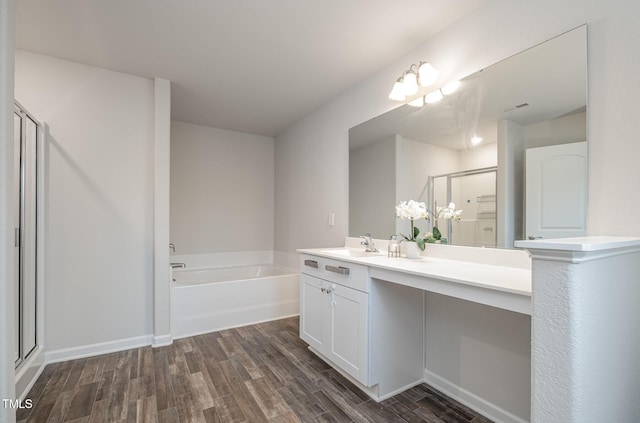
(17, 147)
(474, 192)
(26, 133)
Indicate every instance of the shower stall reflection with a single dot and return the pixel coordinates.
(474, 192)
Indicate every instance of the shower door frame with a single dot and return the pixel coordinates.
(27, 360)
(450, 177)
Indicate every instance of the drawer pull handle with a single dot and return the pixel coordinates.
(311, 263)
(337, 269)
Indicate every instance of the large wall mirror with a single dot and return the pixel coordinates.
(508, 148)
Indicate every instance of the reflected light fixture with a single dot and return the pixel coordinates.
(433, 97)
(475, 140)
(418, 102)
(450, 88)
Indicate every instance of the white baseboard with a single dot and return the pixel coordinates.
(161, 341)
(471, 400)
(29, 372)
(83, 351)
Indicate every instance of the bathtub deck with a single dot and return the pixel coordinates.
(258, 373)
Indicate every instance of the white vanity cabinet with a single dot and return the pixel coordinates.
(334, 313)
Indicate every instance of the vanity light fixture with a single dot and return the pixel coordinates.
(428, 74)
(423, 74)
(397, 93)
(410, 82)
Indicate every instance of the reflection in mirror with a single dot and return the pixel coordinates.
(473, 191)
(532, 100)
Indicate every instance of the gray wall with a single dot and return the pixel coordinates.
(221, 190)
(99, 175)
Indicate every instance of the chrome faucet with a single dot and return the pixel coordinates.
(172, 247)
(368, 244)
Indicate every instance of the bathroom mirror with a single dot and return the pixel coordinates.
(532, 100)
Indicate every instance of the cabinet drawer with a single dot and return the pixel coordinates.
(352, 275)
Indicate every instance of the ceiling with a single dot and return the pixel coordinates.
(253, 66)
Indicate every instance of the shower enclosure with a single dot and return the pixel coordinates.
(27, 132)
(473, 192)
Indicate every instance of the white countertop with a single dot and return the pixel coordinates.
(510, 280)
(580, 244)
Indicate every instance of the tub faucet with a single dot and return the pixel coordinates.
(368, 244)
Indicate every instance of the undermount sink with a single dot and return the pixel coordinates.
(350, 252)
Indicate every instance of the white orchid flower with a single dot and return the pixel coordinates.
(449, 212)
(411, 210)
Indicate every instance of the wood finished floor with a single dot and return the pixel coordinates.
(259, 373)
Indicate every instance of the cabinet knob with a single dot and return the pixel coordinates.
(322, 289)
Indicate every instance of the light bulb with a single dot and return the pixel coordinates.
(433, 96)
(410, 83)
(397, 93)
(450, 88)
(428, 74)
(475, 140)
(418, 102)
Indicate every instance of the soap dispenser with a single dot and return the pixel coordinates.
(394, 247)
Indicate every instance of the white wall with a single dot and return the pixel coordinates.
(464, 348)
(566, 129)
(415, 162)
(313, 151)
(311, 156)
(100, 188)
(222, 190)
(484, 155)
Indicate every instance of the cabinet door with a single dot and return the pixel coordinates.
(346, 331)
(312, 302)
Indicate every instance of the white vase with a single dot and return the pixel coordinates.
(412, 251)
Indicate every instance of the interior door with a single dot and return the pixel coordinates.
(556, 191)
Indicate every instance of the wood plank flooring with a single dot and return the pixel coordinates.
(259, 373)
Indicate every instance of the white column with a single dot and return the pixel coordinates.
(161, 282)
(509, 181)
(585, 329)
(7, 370)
